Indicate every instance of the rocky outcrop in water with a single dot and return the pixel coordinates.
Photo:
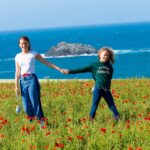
(64, 49)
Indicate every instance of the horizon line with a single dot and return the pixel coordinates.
(72, 26)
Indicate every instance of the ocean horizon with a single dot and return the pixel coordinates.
(131, 44)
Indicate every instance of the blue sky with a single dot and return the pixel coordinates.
(29, 14)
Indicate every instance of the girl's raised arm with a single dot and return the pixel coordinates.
(47, 63)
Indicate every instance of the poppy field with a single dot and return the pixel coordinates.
(66, 106)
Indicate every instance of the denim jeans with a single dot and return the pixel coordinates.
(98, 93)
(30, 92)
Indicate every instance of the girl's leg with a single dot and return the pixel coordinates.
(25, 98)
(34, 94)
(97, 93)
(110, 102)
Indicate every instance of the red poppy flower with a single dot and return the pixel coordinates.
(130, 148)
(46, 147)
(1, 136)
(103, 130)
(69, 120)
(33, 147)
(128, 126)
(69, 138)
(79, 137)
(147, 118)
(4, 122)
(113, 131)
(47, 133)
(60, 145)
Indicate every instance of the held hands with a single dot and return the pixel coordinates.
(64, 71)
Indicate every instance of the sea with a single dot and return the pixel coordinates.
(130, 41)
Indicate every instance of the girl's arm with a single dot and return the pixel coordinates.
(17, 75)
(47, 63)
(80, 70)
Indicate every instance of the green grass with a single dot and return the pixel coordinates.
(66, 105)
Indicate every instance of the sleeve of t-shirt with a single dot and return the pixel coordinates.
(34, 53)
(16, 58)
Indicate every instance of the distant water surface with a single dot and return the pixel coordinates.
(131, 43)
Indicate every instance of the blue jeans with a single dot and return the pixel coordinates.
(30, 92)
(106, 94)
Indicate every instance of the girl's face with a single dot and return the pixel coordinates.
(23, 44)
(104, 56)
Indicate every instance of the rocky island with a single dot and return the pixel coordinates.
(64, 49)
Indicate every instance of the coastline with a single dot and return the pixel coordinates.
(62, 80)
(42, 80)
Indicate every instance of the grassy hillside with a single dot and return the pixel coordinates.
(66, 105)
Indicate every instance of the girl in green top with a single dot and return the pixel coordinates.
(102, 72)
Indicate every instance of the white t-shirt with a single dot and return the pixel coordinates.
(26, 62)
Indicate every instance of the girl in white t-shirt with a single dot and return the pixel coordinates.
(29, 85)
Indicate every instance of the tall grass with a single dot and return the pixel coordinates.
(66, 105)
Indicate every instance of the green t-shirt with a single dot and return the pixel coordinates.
(101, 72)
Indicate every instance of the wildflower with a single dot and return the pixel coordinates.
(127, 126)
(138, 148)
(69, 138)
(139, 115)
(113, 91)
(134, 102)
(86, 84)
(116, 96)
(85, 127)
(59, 145)
(145, 97)
(47, 133)
(69, 120)
(103, 130)
(64, 113)
(25, 129)
(79, 137)
(33, 147)
(1, 118)
(23, 140)
(1, 136)
(4, 122)
(32, 128)
(113, 131)
(127, 121)
(46, 147)
(147, 118)
(82, 120)
(130, 148)
(43, 127)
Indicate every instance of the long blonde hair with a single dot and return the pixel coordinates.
(111, 53)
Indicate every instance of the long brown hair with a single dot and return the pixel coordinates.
(26, 39)
(111, 53)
